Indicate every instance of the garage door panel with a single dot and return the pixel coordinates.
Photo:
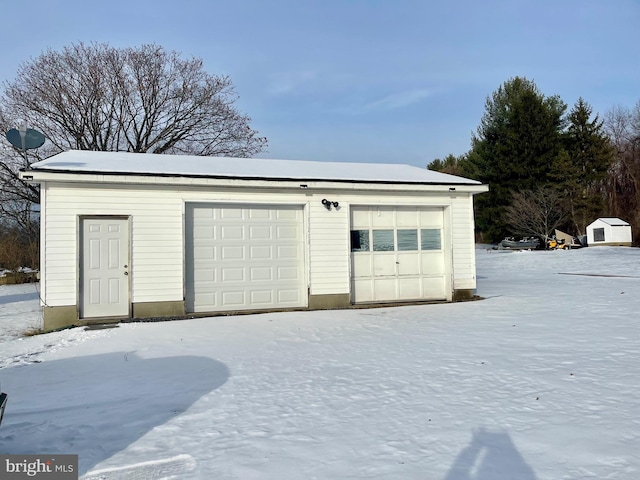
(362, 266)
(359, 219)
(232, 274)
(208, 299)
(406, 218)
(262, 252)
(259, 214)
(384, 264)
(432, 263)
(230, 214)
(288, 252)
(384, 288)
(231, 252)
(405, 260)
(363, 289)
(408, 263)
(289, 214)
(410, 287)
(232, 232)
(233, 298)
(289, 296)
(288, 273)
(286, 233)
(204, 275)
(382, 217)
(245, 257)
(204, 231)
(208, 253)
(260, 232)
(433, 288)
(203, 213)
(431, 218)
(260, 274)
(264, 297)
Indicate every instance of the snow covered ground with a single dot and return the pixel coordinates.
(540, 380)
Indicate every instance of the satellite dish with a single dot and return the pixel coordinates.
(25, 139)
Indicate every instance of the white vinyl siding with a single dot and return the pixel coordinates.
(158, 232)
(156, 240)
(329, 247)
(463, 240)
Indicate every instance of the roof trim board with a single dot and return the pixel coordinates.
(77, 162)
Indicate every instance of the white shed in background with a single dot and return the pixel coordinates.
(129, 235)
(609, 231)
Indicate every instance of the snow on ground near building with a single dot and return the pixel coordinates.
(19, 310)
(540, 380)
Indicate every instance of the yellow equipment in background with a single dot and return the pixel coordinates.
(554, 244)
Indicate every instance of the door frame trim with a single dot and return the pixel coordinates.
(79, 259)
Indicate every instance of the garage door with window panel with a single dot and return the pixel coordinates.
(397, 254)
(244, 257)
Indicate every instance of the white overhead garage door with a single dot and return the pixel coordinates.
(244, 257)
(397, 253)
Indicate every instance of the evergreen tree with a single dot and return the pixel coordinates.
(581, 172)
(516, 145)
(452, 165)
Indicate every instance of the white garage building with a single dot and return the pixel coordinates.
(129, 235)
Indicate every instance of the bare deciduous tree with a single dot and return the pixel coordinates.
(17, 249)
(96, 97)
(623, 182)
(535, 212)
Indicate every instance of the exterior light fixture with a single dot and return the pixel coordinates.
(327, 204)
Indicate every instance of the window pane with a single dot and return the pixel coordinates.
(598, 234)
(407, 240)
(430, 239)
(359, 240)
(383, 241)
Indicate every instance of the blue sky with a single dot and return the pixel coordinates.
(398, 81)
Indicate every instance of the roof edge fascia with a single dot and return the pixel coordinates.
(117, 178)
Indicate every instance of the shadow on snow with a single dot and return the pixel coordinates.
(96, 406)
(19, 297)
(490, 456)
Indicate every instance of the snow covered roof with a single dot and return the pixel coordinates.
(614, 222)
(76, 161)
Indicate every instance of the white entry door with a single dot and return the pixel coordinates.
(104, 268)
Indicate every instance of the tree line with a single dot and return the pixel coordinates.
(568, 167)
(548, 166)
